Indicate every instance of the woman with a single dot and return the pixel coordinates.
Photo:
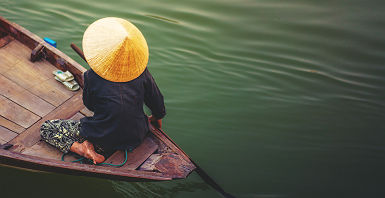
(115, 89)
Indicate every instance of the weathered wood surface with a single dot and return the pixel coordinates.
(164, 139)
(24, 78)
(32, 134)
(44, 150)
(6, 135)
(173, 165)
(38, 163)
(86, 112)
(16, 113)
(149, 164)
(23, 53)
(5, 40)
(77, 116)
(170, 164)
(11, 125)
(136, 157)
(53, 55)
(52, 91)
(142, 152)
(36, 77)
(7, 60)
(18, 50)
(23, 97)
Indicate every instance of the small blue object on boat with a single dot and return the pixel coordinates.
(50, 41)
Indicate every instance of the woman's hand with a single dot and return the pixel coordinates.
(155, 121)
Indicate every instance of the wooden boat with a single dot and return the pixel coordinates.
(29, 95)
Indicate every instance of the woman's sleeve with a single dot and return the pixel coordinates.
(87, 98)
(153, 98)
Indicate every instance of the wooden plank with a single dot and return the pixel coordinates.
(170, 164)
(16, 113)
(24, 98)
(5, 40)
(149, 164)
(53, 55)
(52, 91)
(11, 125)
(7, 60)
(23, 53)
(10, 158)
(32, 135)
(44, 150)
(87, 112)
(174, 165)
(142, 152)
(166, 141)
(77, 116)
(6, 135)
(18, 49)
(26, 78)
(44, 67)
(37, 76)
(137, 156)
(115, 158)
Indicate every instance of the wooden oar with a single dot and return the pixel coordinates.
(210, 181)
(78, 51)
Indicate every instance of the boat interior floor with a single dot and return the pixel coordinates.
(30, 95)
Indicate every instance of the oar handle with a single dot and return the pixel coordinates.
(78, 51)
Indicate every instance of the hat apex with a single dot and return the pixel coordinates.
(115, 49)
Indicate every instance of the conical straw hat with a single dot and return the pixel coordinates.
(115, 49)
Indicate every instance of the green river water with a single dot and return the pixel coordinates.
(273, 98)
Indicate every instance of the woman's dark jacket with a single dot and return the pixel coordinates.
(119, 121)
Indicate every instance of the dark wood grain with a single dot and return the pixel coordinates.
(166, 141)
(11, 125)
(6, 135)
(86, 112)
(32, 135)
(136, 157)
(53, 55)
(77, 116)
(44, 150)
(52, 91)
(7, 60)
(37, 163)
(23, 97)
(5, 40)
(174, 166)
(22, 75)
(16, 113)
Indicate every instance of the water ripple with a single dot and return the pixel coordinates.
(287, 82)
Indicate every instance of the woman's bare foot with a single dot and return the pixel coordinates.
(86, 149)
